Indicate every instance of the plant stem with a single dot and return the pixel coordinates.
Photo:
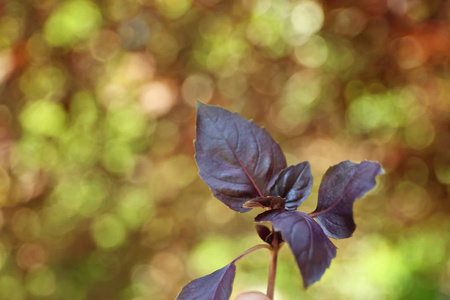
(272, 273)
(273, 264)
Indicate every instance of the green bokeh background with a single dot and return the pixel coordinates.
(99, 192)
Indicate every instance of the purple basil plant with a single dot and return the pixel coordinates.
(245, 168)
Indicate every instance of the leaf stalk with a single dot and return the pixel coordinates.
(250, 250)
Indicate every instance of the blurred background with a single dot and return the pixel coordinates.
(99, 192)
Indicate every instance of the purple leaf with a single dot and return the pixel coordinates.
(237, 158)
(293, 184)
(341, 185)
(312, 249)
(263, 232)
(267, 235)
(215, 286)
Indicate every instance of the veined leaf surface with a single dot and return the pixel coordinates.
(237, 159)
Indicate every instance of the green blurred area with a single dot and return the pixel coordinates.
(99, 192)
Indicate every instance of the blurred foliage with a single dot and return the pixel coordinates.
(99, 193)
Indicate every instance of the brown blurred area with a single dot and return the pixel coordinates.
(99, 192)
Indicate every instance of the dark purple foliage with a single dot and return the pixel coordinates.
(341, 185)
(215, 286)
(237, 158)
(267, 235)
(263, 232)
(312, 249)
(245, 168)
(293, 184)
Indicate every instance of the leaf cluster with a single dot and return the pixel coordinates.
(245, 169)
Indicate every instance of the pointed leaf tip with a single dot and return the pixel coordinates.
(341, 185)
(312, 249)
(215, 286)
(237, 159)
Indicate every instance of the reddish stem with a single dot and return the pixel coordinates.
(252, 249)
(272, 273)
(273, 265)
